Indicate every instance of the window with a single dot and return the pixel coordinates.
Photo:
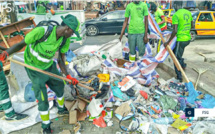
(205, 17)
(166, 13)
(195, 15)
(214, 15)
(112, 16)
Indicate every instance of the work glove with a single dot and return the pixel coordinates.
(3, 55)
(74, 80)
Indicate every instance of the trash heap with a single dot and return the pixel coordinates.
(151, 108)
(129, 94)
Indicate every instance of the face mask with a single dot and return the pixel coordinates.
(136, 2)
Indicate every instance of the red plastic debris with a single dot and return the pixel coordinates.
(144, 94)
(100, 122)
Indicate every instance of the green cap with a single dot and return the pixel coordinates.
(72, 22)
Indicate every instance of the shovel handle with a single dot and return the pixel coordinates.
(48, 73)
(177, 64)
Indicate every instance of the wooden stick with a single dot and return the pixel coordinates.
(2, 36)
(83, 99)
(32, 18)
(48, 73)
(177, 64)
(7, 67)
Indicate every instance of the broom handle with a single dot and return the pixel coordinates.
(48, 73)
(177, 64)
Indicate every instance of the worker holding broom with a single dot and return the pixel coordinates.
(137, 31)
(182, 23)
(5, 103)
(40, 55)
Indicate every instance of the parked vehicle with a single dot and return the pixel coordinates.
(80, 14)
(109, 23)
(204, 22)
(168, 17)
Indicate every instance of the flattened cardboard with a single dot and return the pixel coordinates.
(76, 109)
(123, 109)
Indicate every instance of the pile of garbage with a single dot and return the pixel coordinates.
(150, 108)
(123, 92)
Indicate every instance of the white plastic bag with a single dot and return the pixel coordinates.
(114, 48)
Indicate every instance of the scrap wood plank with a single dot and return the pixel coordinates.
(17, 26)
(9, 29)
(6, 30)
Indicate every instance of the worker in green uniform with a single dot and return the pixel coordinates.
(138, 13)
(159, 17)
(42, 6)
(5, 103)
(182, 23)
(61, 7)
(41, 56)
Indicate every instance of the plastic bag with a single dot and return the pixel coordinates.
(114, 48)
(29, 93)
(100, 122)
(70, 55)
(88, 66)
(204, 127)
(118, 93)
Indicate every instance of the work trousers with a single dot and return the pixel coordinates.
(39, 81)
(178, 51)
(5, 103)
(136, 40)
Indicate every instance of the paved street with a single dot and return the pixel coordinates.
(191, 55)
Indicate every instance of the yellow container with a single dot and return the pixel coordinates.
(104, 77)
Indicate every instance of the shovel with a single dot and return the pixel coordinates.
(48, 73)
(188, 84)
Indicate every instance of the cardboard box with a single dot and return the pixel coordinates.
(76, 110)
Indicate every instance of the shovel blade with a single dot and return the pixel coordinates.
(192, 92)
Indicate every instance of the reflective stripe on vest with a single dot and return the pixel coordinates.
(34, 53)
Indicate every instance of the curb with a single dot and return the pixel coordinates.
(203, 88)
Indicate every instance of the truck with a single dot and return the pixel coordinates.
(80, 14)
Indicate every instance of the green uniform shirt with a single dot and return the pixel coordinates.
(136, 12)
(158, 14)
(41, 8)
(61, 7)
(183, 19)
(41, 55)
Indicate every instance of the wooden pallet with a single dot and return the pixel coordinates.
(15, 27)
(10, 41)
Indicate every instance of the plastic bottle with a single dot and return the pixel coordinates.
(164, 120)
(95, 107)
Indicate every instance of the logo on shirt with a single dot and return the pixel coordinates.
(49, 52)
(138, 8)
(186, 17)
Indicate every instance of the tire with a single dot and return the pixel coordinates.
(92, 30)
(193, 35)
